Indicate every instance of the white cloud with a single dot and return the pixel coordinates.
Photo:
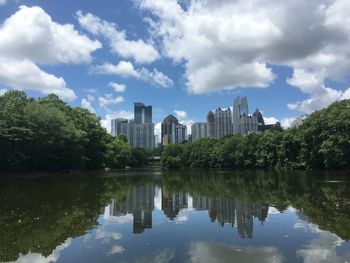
(90, 98)
(31, 34)
(30, 37)
(3, 91)
(232, 44)
(108, 99)
(126, 69)
(139, 50)
(123, 68)
(86, 104)
(117, 87)
(2, 2)
(270, 120)
(287, 122)
(180, 114)
(106, 122)
(24, 75)
(312, 83)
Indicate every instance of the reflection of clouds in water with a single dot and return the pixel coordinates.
(100, 234)
(38, 258)
(116, 250)
(122, 219)
(183, 215)
(203, 252)
(308, 227)
(164, 256)
(273, 210)
(323, 248)
(158, 198)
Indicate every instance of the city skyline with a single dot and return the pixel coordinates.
(104, 57)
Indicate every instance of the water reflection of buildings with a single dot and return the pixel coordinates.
(225, 210)
(140, 203)
(173, 202)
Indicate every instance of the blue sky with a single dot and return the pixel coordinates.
(182, 57)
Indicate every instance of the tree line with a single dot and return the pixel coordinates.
(46, 134)
(320, 141)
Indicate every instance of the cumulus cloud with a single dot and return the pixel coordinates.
(86, 104)
(29, 38)
(233, 44)
(3, 91)
(117, 87)
(139, 50)
(270, 120)
(108, 99)
(25, 75)
(106, 122)
(180, 114)
(312, 83)
(126, 69)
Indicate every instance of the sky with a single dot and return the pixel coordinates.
(183, 57)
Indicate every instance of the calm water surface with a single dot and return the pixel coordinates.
(150, 215)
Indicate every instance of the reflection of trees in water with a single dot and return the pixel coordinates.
(37, 214)
(316, 196)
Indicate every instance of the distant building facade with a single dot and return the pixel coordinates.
(116, 126)
(223, 122)
(173, 131)
(199, 130)
(140, 130)
(245, 123)
(211, 124)
(142, 113)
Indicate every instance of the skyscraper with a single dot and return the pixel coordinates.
(142, 113)
(211, 124)
(199, 130)
(173, 131)
(240, 108)
(140, 130)
(116, 126)
(223, 122)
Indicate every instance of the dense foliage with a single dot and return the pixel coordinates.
(321, 141)
(46, 134)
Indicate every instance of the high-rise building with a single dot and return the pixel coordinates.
(116, 126)
(240, 108)
(173, 131)
(142, 113)
(199, 130)
(140, 130)
(243, 122)
(140, 135)
(211, 124)
(223, 122)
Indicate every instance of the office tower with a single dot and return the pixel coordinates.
(140, 135)
(199, 130)
(142, 113)
(173, 131)
(211, 124)
(240, 108)
(140, 131)
(223, 122)
(116, 126)
(248, 124)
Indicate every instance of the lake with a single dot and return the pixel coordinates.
(154, 215)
